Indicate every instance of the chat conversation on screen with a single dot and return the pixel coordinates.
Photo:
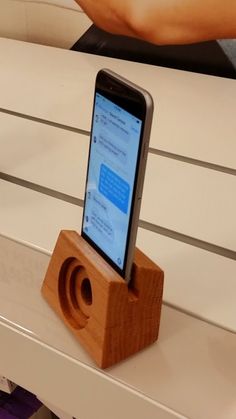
(115, 126)
(99, 202)
(112, 149)
(114, 188)
(102, 225)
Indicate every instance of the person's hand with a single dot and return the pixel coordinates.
(165, 21)
(109, 15)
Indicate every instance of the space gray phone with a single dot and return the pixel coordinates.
(121, 124)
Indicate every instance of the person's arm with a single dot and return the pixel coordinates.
(165, 21)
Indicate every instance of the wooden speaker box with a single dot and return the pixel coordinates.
(111, 319)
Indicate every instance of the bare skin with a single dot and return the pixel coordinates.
(165, 21)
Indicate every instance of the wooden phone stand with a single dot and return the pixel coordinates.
(111, 319)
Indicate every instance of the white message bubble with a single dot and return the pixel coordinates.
(115, 126)
(112, 148)
(99, 201)
(102, 225)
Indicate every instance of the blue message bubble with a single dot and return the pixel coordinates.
(114, 188)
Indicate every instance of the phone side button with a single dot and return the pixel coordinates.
(145, 149)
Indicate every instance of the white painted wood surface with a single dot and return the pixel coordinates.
(191, 369)
(35, 218)
(194, 114)
(196, 281)
(186, 198)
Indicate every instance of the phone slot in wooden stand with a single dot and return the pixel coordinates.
(112, 320)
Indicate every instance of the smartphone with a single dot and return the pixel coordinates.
(121, 125)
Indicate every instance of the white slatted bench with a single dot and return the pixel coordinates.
(187, 225)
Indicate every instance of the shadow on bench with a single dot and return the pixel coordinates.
(205, 57)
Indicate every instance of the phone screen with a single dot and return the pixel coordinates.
(114, 150)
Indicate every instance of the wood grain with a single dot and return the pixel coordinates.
(110, 319)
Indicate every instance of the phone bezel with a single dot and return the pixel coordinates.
(128, 97)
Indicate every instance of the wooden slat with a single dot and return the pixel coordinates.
(190, 199)
(186, 198)
(45, 155)
(194, 114)
(35, 218)
(191, 369)
(70, 384)
(197, 281)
